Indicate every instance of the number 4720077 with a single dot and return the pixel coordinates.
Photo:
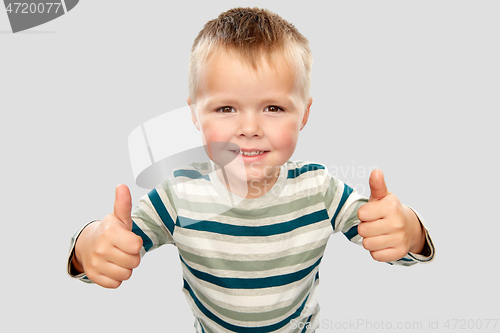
(26, 8)
(471, 324)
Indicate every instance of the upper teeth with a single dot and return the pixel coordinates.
(250, 153)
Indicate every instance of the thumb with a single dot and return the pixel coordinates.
(123, 205)
(378, 188)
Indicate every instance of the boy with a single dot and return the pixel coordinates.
(250, 225)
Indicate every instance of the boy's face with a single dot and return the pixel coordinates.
(260, 110)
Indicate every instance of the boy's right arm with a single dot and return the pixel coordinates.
(107, 251)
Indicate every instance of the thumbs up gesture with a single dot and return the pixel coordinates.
(390, 229)
(107, 251)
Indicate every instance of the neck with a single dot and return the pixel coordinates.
(247, 189)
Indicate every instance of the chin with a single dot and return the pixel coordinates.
(244, 174)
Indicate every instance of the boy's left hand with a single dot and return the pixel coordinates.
(390, 229)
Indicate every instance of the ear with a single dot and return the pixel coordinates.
(194, 117)
(306, 114)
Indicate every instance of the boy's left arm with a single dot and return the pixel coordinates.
(389, 229)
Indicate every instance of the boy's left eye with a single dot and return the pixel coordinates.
(225, 109)
(274, 108)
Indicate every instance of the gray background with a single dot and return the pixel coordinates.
(410, 87)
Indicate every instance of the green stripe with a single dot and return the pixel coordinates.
(277, 210)
(330, 193)
(250, 266)
(252, 316)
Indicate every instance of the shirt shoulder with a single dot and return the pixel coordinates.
(296, 168)
(306, 174)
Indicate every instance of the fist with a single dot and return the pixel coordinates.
(386, 225)
(108, 250)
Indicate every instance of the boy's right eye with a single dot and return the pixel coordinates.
(226, 109)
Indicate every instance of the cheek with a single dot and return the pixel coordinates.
(213, 133)
(285, 137)
(211, 136)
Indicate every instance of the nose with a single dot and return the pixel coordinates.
(248, 124)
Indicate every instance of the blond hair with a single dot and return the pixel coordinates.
(251, 33)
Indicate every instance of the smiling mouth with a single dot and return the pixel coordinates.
(250, 153)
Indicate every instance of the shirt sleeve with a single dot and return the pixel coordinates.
(342, 204)
(69, 267)
(153, 220)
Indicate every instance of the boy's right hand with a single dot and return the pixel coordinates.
(107, 251)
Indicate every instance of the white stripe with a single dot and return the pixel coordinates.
(347, 210)
(196, 190)
(256, 248)
(302, 187)
(166, 203)
(336, 199)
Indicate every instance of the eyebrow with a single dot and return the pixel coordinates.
(283, 100)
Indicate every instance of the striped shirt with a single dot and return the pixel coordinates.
(251, 265)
